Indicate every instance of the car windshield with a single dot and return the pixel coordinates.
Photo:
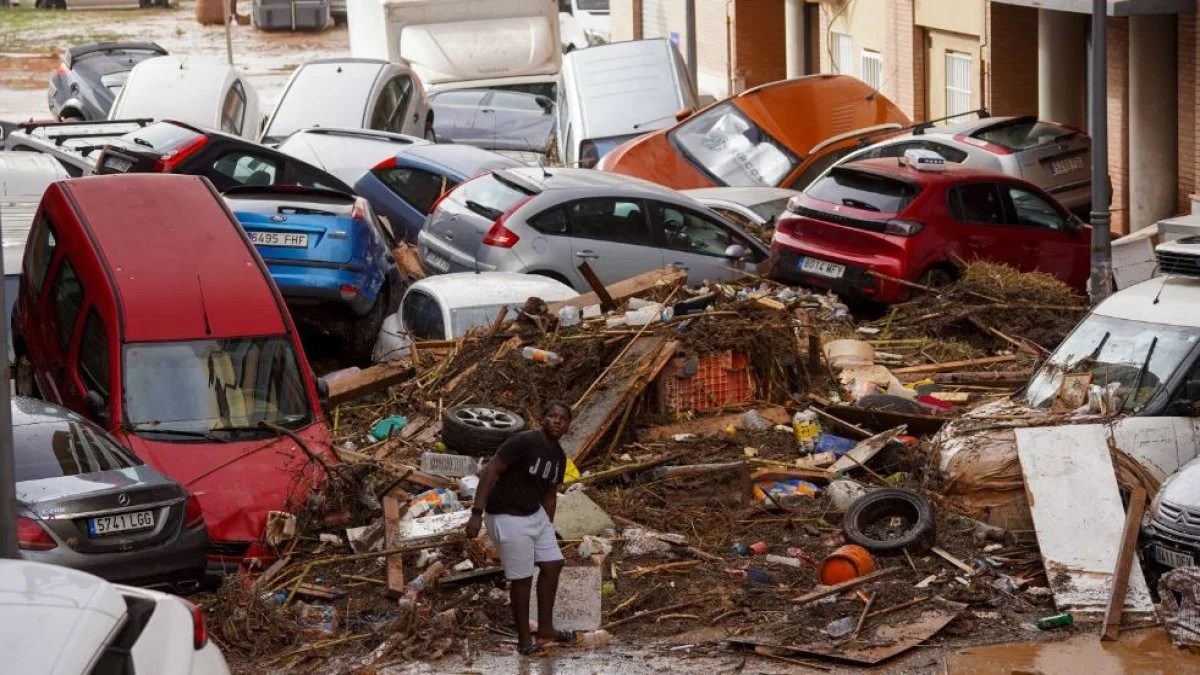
(65, 448)
(863, 190)
(488, 196)
(1103, 350)
(733, 149)
(1024, 134)
(464, 319)
(201, 386)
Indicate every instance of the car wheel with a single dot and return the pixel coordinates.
(936, 277)
(26, 385)
(890, 520)
(478, 430)
(364, 331)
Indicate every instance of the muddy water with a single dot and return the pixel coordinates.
(1147, 652)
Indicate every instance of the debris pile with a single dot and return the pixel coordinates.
(736, 462)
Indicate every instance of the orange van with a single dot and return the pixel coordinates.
(782, 134)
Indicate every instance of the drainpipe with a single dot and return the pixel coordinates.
(794, 34)
(1100, 282)
(689, 13)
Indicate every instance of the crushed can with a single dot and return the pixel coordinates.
(1056, 621)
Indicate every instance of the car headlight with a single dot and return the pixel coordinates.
(595, 37)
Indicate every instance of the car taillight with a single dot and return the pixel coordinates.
(31, 536)
(588, 156)
(192, 515)
(199, 626)
(389, 163)
(172, 159)
(903, 228)
(62, 69)
(500, 236)
(785, 225)
(793, 204)
(359, 212)
(348, 292)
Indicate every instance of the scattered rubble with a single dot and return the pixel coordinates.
(716, 448)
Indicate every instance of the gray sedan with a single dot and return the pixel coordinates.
(548, 221)
(85, 501)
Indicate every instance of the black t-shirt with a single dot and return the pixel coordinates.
(535, 463)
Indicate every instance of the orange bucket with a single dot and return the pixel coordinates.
(844, 564)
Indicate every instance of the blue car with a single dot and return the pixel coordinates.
(328, 255)
(403, 188)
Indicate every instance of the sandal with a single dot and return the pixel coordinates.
(534, 648)
(568, 637)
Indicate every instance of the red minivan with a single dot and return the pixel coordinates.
(143, 306)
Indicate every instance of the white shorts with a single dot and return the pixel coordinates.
(522, 541)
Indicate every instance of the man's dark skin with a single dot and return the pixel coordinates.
(554, 424)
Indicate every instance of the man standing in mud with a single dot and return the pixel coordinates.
(516, 498)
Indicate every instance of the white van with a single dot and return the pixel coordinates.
(456, 44)
(202, 90)
(587, 22)
(611, 93)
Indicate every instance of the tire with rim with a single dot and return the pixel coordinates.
(478, 430)
(871, 521)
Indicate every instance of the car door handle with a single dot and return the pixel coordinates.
(679, 266)
(588, 255)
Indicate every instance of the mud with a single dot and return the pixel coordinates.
(1147, 652)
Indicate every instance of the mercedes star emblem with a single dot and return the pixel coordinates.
(123, 499)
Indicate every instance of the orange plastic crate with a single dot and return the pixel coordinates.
(721, 379)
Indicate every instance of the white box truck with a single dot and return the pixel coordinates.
(457, 44)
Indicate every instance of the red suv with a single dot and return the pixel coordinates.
(911, 218)
(143, 306)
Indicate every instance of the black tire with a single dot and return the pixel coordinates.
(917, 534)
(478, 430)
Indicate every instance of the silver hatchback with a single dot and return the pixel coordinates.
(550, 220)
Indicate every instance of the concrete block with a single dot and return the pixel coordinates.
(577, 515)
(578, 603)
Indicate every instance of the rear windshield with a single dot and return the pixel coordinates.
(289, 202)
(1023, 135)
(162, 137)
(488, 195)
(348, 84)
(66, 448)
(861, 190)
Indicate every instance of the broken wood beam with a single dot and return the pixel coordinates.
(704, 426)
(950, 558)
(367, 381)
(410, 473)
(844, 586)
(1116, 601)
(409, 261)
(1000, 377)
(392, 513)
(650, 612)
(628, 288)
(589, 275)
(954, 365)
(667, 472)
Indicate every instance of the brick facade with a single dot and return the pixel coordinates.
(1188, 62)
(1118, 134)
(1010, 74)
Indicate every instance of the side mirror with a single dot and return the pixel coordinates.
(736, 251)
(683, 113)
(323, 393)
(97, 406)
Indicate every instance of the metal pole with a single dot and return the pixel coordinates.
(228, 31)
(794, 37)
(689, 17)
(1100, 283)
(8, 478)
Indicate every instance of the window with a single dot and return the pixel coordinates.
(861, 190)
(978, 203)
(1031, 209)
(488, 195)
(238, 168)
(733, 217)
(687, 231)
(841, 48)
(1024, 133)
(93, 355)
(422, 316)
(553, 221)
(299, 173)
(67, 295)
(419, 188)
(66, 448)
(735, 151)
(958, 84)
(39, 253)
(618, 220)
(819, 165)
(233, 111)
(392, 105)
(872, 68)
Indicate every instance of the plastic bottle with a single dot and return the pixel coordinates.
(437, 500)
(425, 580)
(569, 316)
(753, 421)
(541, 356)
(806, 428)
(1056, 621)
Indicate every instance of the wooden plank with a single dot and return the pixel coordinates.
(948, 557)
(589, 275)
(880, 420)
(844, 586)
(409, 262)
(643, 361)
(623, 290)
(1116, 601)
(866, 449)
(367, 381)
(1077, 516)
(704, 426)
(955, 365)
(411, 474)
(391, 539)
